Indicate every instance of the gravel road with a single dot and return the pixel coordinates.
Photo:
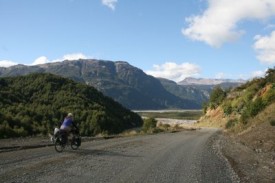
(186, 156)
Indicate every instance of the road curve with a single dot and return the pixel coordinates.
(167, 157)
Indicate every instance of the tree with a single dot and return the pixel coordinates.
(149, 124)
(256, 107)
(216, 97)
(270, 75)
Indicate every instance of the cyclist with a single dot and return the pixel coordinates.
(67, 124)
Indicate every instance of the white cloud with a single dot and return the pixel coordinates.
(40, 60)
(270, 26)
(44, 60)
(218, 23)
(74, 56)
(257, 74)
(109, 3)
(7, 63)
(173, 71)
(220, 75)
(265, 48)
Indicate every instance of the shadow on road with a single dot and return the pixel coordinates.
(96, 152)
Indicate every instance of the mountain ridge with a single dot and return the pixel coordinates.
(208, 81)
(126, 84)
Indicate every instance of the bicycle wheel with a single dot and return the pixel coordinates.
(75, 143)
(59, 146)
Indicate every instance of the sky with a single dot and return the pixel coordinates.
(171, 39)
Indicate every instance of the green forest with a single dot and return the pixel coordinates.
(34, 104)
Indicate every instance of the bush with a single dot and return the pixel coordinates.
(231, 123)
(164, 126)
(272, 122)
(256, 107)
(227, 108)
(270, 75)
(149, 124)
(212, 105)
(204, 107)
(217, 96)
(157, 130)
(244, 117)
(252, 109)
(269, 97)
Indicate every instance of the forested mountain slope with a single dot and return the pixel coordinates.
(36, 103)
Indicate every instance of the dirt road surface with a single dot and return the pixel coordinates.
(188, 156)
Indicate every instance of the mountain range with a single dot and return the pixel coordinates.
(205, 81)
(123, 82)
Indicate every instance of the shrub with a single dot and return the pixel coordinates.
(272, 122)
(212, 105)
(270, 75)
(164, 126)
(231, 123)
(244, 117)
(217, 96)
(149, 124)
(204, 107)
(269, 96)
(240, 106)
(256, 107)
(227, 108)
(157, 130)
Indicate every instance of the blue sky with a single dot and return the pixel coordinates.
(170, 39)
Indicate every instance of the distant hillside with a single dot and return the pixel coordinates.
(197, 90)
(198, 94)
(34, 104)
(204, 81)
(124, 83)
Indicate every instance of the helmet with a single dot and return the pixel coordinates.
(70, 115)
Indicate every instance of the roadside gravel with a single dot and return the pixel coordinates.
(186, 156)
(251, 165)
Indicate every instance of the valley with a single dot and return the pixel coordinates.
(241, 122)
(153, 91)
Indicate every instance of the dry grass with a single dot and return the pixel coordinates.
(213, 118)
(217, 118)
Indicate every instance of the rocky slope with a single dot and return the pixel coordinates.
(204, 81)
(198, 94)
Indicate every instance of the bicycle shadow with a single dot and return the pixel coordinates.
(99, 152)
